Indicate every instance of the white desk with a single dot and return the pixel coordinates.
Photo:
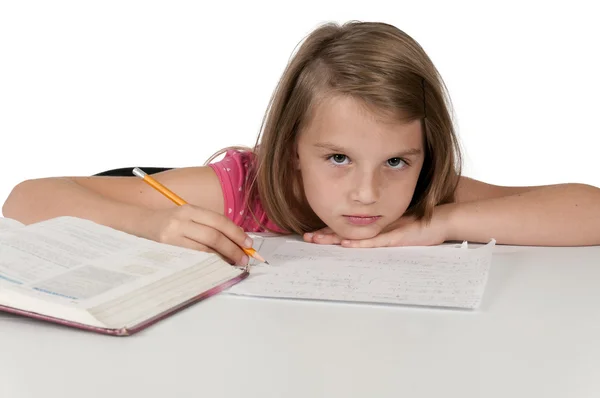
(537, 334)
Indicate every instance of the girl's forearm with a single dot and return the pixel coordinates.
(37, 200)
(558, 215)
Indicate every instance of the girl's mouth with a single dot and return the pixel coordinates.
(361, 219)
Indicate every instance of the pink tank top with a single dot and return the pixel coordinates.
(232, 172)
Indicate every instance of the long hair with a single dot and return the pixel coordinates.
(390, 72)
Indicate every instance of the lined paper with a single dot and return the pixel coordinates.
(424, 276)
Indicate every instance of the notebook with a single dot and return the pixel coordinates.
(444, 276)
(81, 274)
(77, 273)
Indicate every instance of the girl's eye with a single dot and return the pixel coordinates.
(338, 158)
(396, 163)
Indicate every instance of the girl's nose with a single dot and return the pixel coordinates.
(366, 189)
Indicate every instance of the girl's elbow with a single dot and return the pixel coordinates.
(16, 205)
(10, 208)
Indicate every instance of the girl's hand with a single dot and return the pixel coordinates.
(323, 236)
(196, 228)
(406, 231)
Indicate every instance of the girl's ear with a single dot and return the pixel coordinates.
(296, 157)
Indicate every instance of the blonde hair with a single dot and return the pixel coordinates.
(390, 72)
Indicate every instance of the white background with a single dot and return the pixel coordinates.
(89, 86)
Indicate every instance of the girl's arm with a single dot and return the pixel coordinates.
(130, 205)
(553, 215)
(119, 202)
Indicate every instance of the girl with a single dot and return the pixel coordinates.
(357, 148)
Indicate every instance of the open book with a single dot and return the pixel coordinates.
(81, 274)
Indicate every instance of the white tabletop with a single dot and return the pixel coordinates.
(537, 334)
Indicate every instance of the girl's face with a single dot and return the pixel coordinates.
(359, 172)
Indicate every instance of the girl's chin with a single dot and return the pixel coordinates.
(354, 233)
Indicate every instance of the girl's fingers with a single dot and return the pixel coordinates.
(323, 236)
(327, 239)
(192, 244)
(215, 240)
(222, 224)
(385, 239)
(308, 237)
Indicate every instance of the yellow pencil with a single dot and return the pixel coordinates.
(179, 201)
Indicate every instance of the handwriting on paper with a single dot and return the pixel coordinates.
(444, 277)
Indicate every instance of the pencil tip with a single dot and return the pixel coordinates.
(266, 262)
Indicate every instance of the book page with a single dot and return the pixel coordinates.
(78, 262)
(425, 276)
(7, 224)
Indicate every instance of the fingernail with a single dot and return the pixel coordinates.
(245, 260)
(248, 242)
(320, 236)
(309, 235)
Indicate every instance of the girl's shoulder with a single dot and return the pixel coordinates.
(235, 171)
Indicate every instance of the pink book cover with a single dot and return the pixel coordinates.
(128, 331)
